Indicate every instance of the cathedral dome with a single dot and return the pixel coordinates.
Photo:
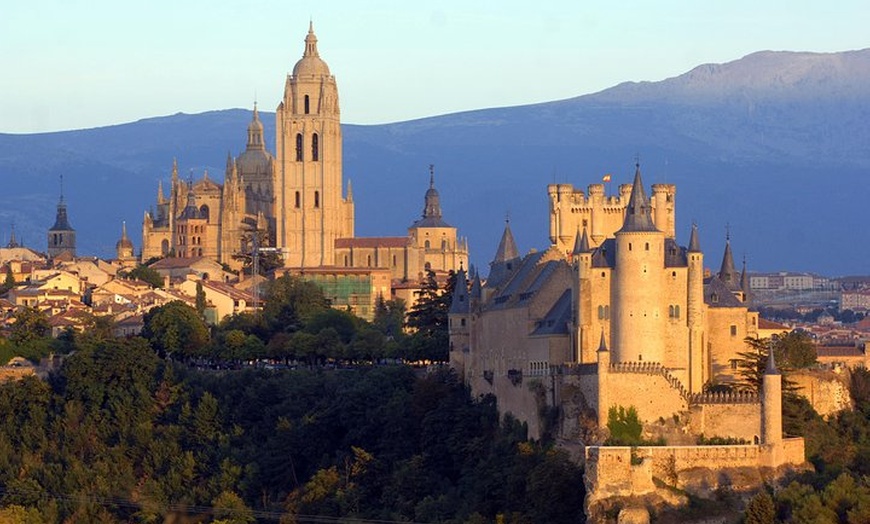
(311, 64)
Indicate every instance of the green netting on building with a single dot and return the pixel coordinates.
(354, 291)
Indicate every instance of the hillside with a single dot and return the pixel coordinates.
(774, 144)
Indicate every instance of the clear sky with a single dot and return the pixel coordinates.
(71, 64)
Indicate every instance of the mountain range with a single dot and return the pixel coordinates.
(773, 147)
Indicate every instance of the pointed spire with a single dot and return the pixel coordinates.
(727, 272)
(476, 287)
(771, 368)
(637, 213)
(124, 230)
(460, 293)
(744, 281)
(602, 345)
(174, 170)
(507, 247)
(694, 244)
(12, 242)
(255, 132)
(310, 41)
(581, 243)
(432, 205)
(160, 197)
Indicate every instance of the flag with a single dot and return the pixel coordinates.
(606, 178)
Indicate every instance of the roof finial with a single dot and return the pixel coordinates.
(727, 232)
(431, 176)
(61, 188)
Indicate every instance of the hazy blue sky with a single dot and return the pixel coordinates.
(67, 64)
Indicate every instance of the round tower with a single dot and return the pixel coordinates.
(663, 204)
(597, 202)
(771, 404)
(637, 284)
(695, 313)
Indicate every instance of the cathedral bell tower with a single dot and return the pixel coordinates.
(311, 209)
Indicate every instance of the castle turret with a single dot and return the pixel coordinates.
(506, 257)
(771, 409)
(638, 323)
(695, 313)
(458, 322)
(603, 374)
(663, 198)
(727, 273)
(583, 307)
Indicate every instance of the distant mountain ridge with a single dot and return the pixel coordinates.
(774, 144)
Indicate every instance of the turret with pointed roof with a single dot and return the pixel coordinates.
(727, 272)
(694, 243)
(506, 257)
(637, 214)
(460, 302)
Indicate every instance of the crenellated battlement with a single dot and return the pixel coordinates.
(739, 397)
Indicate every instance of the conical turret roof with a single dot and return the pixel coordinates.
(637, 214)
(507, 247)
(460, 293)
(694, 244)
(581, 243)
(727, 272)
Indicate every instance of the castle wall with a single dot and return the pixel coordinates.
(727, 419)
(646, 388)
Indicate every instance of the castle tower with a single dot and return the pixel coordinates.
(638, 322)
(311, 211)
(695, 314)
(124, 251)
(61, 236)
(459, 322)
(603, 374)
(506, 257)
(663, 204)
(584, 315)
(771, 409)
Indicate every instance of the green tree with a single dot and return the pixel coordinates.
(30, 325)
(268, 260)
(389, 316)
(145, 274)
(9, 281)
(200, 299)
(624, 426)
(175, 330)
(760, 510)
(428, 319)
(291, 302)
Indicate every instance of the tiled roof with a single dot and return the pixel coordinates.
(371, 242)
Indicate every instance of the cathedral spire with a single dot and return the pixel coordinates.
(432, 207)
(637, 214)
(12, 242)
(255, 132)
(311, 41)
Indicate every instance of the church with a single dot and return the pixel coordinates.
(295, 201)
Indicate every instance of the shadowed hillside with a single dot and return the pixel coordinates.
(774, 144)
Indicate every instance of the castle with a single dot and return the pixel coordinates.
(617, 314)
(298, 202)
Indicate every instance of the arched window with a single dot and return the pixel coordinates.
(298, 199)
(164, 247)
(600, 312)
(315, 146)
(606, 312)
(203, 211)
(426, 245)
(299, 147)
(317, 199)
(444, 245)
(677, 311)
(671, 311)
(307, 105)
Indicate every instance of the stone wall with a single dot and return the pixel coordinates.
(827, 391)
(741, 420)
(646, 387)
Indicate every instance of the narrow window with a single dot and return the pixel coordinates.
(369, 260)
(317, 199)
(299, 147)
(629, 246)
(307, 105)
(426, 244)
(733, 330)
(677, 311)
(600, 312)
(394, 260)
(647, 246)
(345, 260)
(315, 153)
(606, 312)
(298, 199)
(671, 311)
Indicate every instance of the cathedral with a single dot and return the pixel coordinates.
(298, 203)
